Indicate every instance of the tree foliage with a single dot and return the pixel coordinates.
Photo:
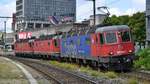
(144, 59)
(136, 22)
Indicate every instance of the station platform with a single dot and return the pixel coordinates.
(12, 72)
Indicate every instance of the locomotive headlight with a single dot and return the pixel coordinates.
(130, 51)
(128, 60)
(111, 53)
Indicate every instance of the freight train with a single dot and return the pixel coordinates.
(106, 47)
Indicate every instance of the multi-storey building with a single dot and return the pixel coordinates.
(33, 14)
(148, 20)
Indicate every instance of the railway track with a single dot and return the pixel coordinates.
(60, 76)
(55, 75)
(141, 76)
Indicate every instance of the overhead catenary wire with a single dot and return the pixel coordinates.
(106, 3)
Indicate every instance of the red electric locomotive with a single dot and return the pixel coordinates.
(44, 47)
(23, 48)
(113, 47)
(47, 48)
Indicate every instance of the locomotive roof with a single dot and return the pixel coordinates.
(112, 28)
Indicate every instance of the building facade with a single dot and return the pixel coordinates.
(32, 14)
(148, 20)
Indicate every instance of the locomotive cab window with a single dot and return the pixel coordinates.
(111, 37)
(56, 43)
(125, 36)
(30, 44)
(13, 47)
(96, 39)
(49, 43)
(102, 41)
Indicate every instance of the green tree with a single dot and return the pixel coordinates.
(136, 22)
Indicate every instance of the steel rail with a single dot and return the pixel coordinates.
(141, 76)
(61, 76)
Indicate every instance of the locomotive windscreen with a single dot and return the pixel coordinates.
(111, 37)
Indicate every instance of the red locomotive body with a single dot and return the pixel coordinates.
(23, 48)
(46, 47)
(113, 45)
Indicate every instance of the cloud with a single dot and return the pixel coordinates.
(7, 10)
(85, 9)
(119, 12)
(115, 11)
(140, 2)
(130, 11)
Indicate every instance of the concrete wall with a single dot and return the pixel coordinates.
(99, 19)
(51, 30)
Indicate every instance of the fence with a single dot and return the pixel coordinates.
(140, 46)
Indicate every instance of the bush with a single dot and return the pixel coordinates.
(87, 70)
(132, 81)
(111, 75)
(65, 65)
(143, 61)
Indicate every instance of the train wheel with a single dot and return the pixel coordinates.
(104, 67)
(48, 57)
(70, 60)
(43, 57)
(77, 61)
(84, 62)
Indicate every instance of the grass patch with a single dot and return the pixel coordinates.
(111, 75)
(9, 71)
(87, 70)
(91, 72)
(132, 81)
(65, 65)
(143, 61)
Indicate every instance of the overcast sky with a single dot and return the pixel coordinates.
(84, 8)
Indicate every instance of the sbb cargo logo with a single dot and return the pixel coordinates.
(25, 35)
